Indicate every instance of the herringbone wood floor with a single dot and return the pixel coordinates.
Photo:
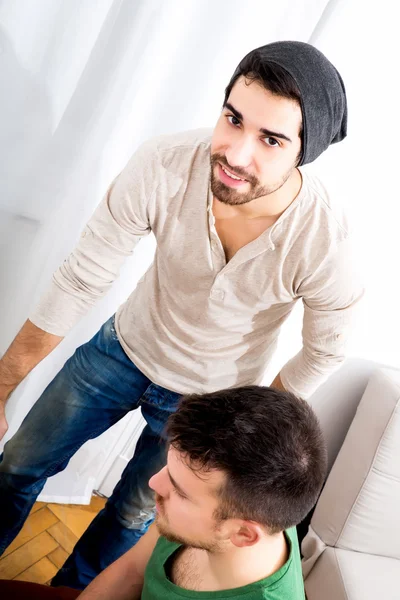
(46, 540)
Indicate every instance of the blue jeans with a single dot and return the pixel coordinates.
(96, 387)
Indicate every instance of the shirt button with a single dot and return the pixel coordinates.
(217, 294)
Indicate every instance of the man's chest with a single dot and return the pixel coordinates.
(224, 270)
(237, 233)
(204, 259)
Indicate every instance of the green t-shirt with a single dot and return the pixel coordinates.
(285, 584)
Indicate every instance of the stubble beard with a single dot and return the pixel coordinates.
(166, 532)
(230, 196)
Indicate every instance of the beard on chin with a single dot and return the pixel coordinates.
(165, 531)
(231, 196)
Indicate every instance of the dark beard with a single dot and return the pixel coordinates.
(228, 195)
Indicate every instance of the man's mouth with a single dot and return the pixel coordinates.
(230, 179)
(230, 174)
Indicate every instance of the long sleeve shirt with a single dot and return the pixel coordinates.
(194, 322)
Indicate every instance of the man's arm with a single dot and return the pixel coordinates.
(30, 346)
(123, 580)
(109, 238)
(330, 298)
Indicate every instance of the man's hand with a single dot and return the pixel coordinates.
(5, 393)
(277, 383)
(3, 420)
(30, 346)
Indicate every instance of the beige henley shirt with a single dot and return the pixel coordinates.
(195, 323)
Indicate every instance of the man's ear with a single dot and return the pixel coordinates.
(247, 533)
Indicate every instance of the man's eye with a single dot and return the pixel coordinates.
(179, 494)
(271, 142)
(233, 120)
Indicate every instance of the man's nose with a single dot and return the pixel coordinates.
(156, 483)
(240, 153)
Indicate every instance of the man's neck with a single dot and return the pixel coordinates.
(237, 567)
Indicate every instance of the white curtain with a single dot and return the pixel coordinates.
(84, 82)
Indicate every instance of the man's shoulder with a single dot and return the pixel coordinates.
(292, 585)
(163, 549)
(326, 210)
(182, 143)
(192, 137)
(175, 154)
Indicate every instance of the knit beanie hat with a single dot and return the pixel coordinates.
(322, 92)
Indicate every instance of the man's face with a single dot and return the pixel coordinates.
(257, 139)
(185, 503)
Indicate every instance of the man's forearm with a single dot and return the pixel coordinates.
(118, 582)
(30, 346)
(304, 373)
(123, 580)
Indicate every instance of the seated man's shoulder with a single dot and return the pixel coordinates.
(326, 205)
(287, 583)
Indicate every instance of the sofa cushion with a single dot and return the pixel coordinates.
(347, 575)
(335, 402)
(359, 505)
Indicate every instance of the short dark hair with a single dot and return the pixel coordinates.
(267, 442)
(255, 67)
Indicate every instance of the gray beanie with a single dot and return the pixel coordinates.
(322, 92)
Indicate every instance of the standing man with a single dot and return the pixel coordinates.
(242, 234)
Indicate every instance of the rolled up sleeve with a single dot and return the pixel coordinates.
(109, 237)
(330, 295)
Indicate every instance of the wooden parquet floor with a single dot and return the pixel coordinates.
(46, 540)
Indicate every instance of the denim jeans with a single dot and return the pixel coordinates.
(96, 387)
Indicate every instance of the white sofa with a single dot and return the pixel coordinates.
(352, 549)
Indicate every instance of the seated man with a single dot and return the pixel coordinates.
(244, 467)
